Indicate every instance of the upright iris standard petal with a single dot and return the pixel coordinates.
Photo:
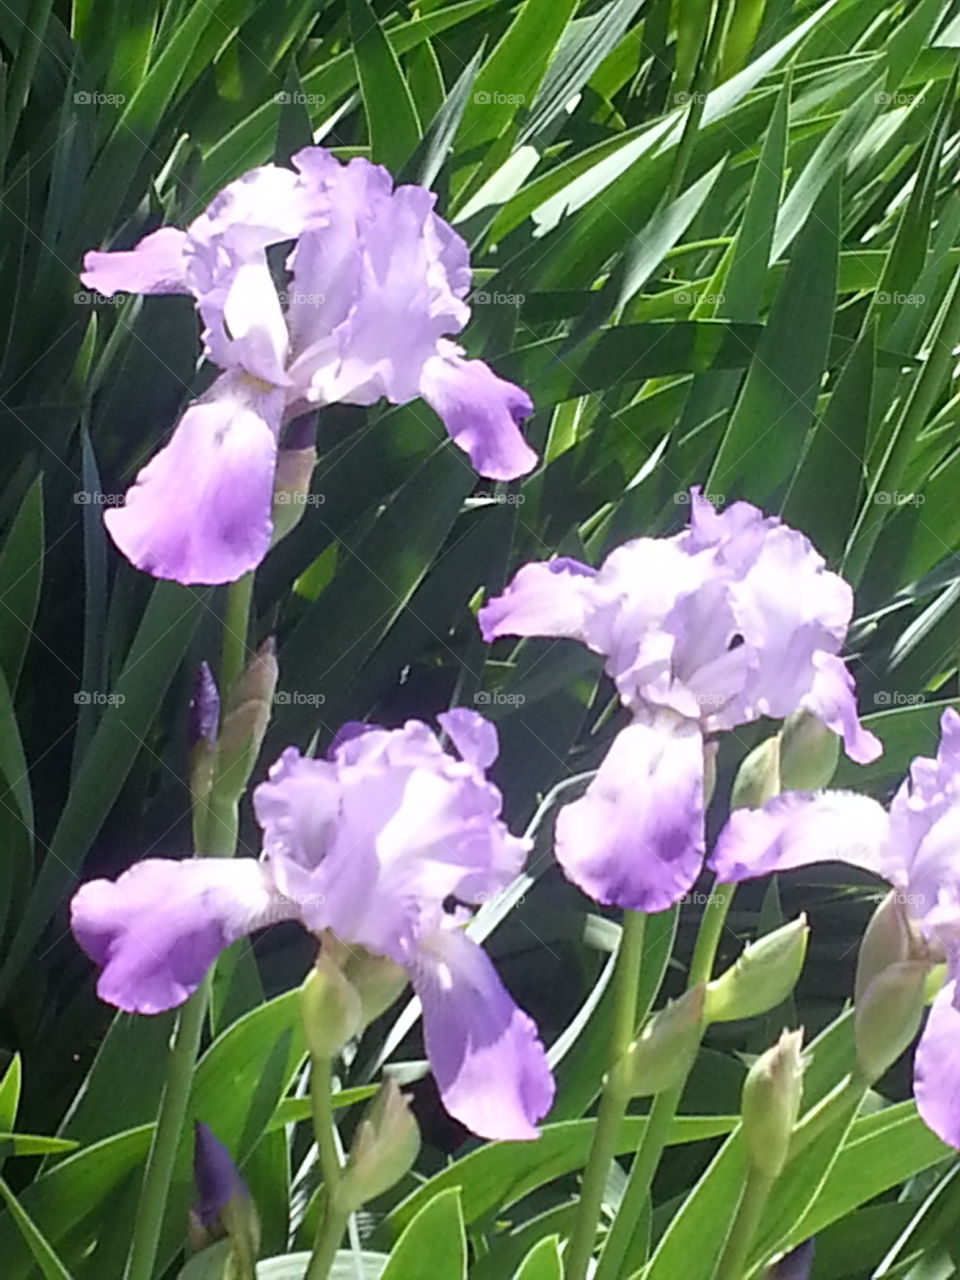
(800, 828)
(157, 264)
(481, 412)
(635, 838)
(199, 511)
(936, 1067)
(486, 1056)
(156, 930)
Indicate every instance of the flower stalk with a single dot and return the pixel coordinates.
(171, 1118)
(613, 1102)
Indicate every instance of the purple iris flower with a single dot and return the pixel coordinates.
(732, 619)
(376, 283)
(215, 1176)
(385, 843)
(916, 848)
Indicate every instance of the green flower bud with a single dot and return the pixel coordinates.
(771, 1103)
(664, 1052)
(384, 1149)
(887, 1016)
(245, 720)
(762, 977)
(330, 1008)
(809, 752)
(758, 778)
(890, 938)
(709, 772)
(291, 488)
(377, 980)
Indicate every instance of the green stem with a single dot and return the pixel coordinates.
(155, 1189)
(333, 1220)
(613, 1101)
(166, 1139)
(236, 624)
(736, 1251)
(627, 1224)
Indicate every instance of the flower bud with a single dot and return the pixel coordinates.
(223, 1206)
(663, 1053)
(758, 778)
(890, 938)
(384, 1149)
(771, 1103)
(377, 981)
(809, 752)
(795, 1265)
(291, 485)
(202, 724)
(245, 721)
(709, 772)
(329, 1007)
(887, 1016)
(764, 974)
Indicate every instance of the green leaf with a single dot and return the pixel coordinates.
(31, 1144)
(435, 1232)
(76, 1190)
(391, 114)
(10, 1087)
(21, 568)
(543, 1262)
(48, 1262)
(158, 648)
(776, 406)
(500, 1174)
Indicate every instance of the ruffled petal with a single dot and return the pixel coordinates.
(833, 699)
(636, 838)
(199, 511)
(800, 828)
(474, 737)
(481, 412)
(157, 264)
(936, 1068)
(486, 1055)
(157, 929)
(545, 598)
